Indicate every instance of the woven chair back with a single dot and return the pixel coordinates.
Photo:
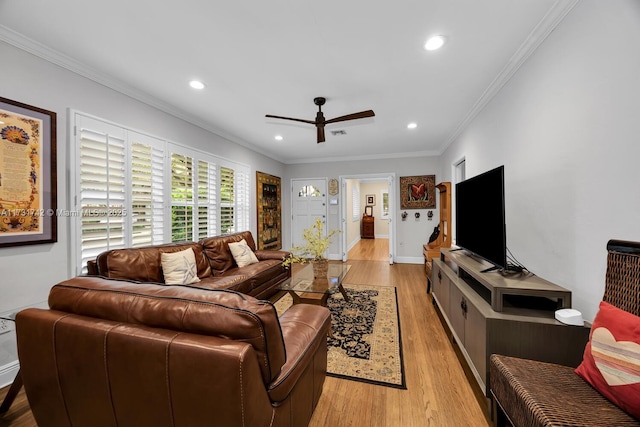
(622, 287)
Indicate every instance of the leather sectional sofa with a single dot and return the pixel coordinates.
(117, 353)
(216, 266)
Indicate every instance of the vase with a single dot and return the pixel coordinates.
(320, 268)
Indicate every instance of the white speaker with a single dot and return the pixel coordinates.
(569, 316)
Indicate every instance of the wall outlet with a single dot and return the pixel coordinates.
(6, 326)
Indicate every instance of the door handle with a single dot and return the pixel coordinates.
(439, 275)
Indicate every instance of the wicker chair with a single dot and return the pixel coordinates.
(531, 393)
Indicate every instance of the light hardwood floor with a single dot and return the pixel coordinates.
(438, 391)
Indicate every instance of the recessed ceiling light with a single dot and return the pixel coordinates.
(279, 138)
(434, 43)
(196, 84)
(412, 125)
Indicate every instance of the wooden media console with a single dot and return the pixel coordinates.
(505, 313)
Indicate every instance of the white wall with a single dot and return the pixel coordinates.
(28, 272)
(567, 129)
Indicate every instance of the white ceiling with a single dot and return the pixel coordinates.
(273, 57)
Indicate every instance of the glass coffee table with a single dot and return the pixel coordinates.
(305, 289)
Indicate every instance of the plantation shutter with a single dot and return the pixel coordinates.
(243, 203)
(207, 211)
(101, 201)
(147, 191)
(355, 202)
(227, 200)
(181, 198)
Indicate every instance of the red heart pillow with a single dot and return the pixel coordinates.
(611, 361)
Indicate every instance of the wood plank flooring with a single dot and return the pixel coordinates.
(438, 391)
(370, 250)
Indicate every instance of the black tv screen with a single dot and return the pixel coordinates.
(480, 219)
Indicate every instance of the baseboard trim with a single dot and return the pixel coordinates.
(352, 244)
(8, 373)
(409, 260)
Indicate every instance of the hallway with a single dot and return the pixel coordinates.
(370, 250)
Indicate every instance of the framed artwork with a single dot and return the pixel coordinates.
(269, 211)
(371, 199)
(368, 210)
(418, 192)
(28, 199)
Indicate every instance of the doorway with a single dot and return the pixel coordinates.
(375, 195)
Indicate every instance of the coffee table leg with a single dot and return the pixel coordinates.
(12, 393)
(344, 293)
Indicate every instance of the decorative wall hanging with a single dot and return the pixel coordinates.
(333, 187)
(371, 199)
(28, 199)
(269, 211)
(418, 192)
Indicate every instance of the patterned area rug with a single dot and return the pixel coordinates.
(366, 343)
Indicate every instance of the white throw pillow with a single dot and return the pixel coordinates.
(179, 268)
(242, 253)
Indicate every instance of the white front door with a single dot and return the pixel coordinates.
(308, 202)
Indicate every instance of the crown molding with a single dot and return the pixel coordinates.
(55, 57)
(547, 24)
(298, 161)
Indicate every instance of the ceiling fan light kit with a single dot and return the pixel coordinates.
(320, 121)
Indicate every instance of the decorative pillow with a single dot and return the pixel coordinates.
(611, 362)
(242, 253)
(179, 268)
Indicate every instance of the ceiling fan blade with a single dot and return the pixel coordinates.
(320, 134)
(311, 122)
(360, 115)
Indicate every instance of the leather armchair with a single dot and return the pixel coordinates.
(116, 353)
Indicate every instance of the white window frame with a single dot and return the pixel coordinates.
(382, 214)
(355, 200)
(161, 196)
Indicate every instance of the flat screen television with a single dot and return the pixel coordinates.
(480, 218)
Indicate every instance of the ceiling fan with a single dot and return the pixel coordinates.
(320, 121)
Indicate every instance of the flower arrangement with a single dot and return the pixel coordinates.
(314, 249)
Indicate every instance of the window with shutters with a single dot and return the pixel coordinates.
(102, 188)
(355, 203)
(181, 198)
(234, 199)
(147, 191)
(242, 202)
(207, 212)
(193, 197)
(130, 189)
(227, 200)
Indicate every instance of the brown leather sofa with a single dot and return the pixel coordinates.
(118, 353)
(216, 267)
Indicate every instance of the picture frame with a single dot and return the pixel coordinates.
(418, 192)
(28, 176)
(368, 210)
(269, 214)
(371, 199)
